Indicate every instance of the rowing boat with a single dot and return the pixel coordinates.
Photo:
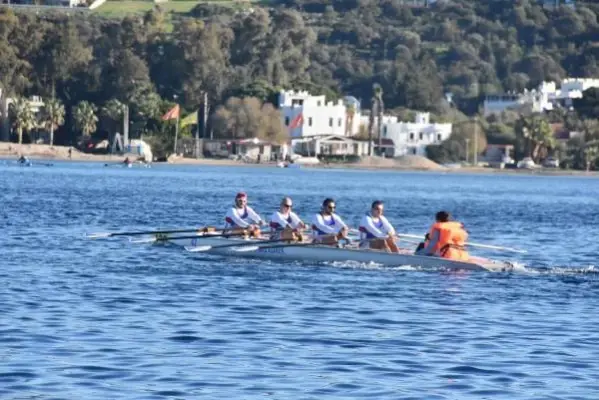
(320, 253)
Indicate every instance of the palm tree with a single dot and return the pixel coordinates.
(23, 117)
(373, 111)
(537, 133)
(114, 110)
(380, 107)
(350, 111)
(53, 116)
(590, 129)
(85, 118)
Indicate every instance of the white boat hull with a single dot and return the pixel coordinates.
(320, 253)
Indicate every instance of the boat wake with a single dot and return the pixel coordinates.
(514, 268)
(562, 270)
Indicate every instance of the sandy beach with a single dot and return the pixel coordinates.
(406, 163)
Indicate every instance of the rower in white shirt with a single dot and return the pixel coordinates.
(285, 224)
(242, 217)
(375, 230)
(328, 227)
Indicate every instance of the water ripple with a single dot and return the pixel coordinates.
(111, 319)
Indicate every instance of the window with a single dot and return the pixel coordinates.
(318, 103)
(385, 131)
(414, 150)
(330, 121)
(286, 121)
(339, 121)
(439, 137)
(297, 102)
(309, 121)
(411, 135)
(420, 136)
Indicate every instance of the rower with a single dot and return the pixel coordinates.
(375, 230)
(285, 224)
(328, 227)
(446, 239)
(242, 218)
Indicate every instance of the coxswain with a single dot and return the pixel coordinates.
(375, 230)
(446, 239)
(285, 224)
(242, 218)
(328, 227)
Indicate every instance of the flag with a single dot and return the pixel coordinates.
(297, 121)
(190, 119)
(173, 113)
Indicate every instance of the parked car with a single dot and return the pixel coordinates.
(551, 162)
(527, 163)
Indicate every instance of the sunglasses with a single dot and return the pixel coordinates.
(331, 207)
(287, 205)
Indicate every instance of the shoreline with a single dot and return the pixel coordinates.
(11, 151)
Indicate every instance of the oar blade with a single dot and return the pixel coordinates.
(245, 249)
(145, 240)
(197, 249)
(98, 235)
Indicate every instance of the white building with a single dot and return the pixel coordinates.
(544, 98)
(402, 138)
(306, 115)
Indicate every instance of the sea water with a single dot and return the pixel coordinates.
(110, 319)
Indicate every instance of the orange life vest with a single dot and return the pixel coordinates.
(451, 241)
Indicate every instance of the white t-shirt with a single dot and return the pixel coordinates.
(331, 224)
(279, 221)
(370, 229)
(241, 217)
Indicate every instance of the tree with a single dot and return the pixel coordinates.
(249, 118)
(22, 116)
(54, 113)
(114, 110)
(350, 112)
(464, 132)
(535, 135)
(588, 105)
(590, 147)
(380, 108)
(273, 128)
(85, 118)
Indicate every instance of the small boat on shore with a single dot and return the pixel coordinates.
(309, 252)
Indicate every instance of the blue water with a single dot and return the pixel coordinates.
(108, 319)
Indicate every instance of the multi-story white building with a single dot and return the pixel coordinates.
(544, 98)
(306, 115)
(402, 138)
(319, 127)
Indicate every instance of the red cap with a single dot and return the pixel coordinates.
(241, 195)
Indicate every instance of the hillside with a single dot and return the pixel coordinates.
(417, 54)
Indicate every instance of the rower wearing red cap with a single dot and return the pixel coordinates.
(242, 217)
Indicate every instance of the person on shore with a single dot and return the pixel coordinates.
(328, 227)
(285, 224)
(446, 239)
(375, 230)
(242, 218)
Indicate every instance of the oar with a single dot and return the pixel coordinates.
(483, 246)
(241, 246)
(99, 235)
(160, 238)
